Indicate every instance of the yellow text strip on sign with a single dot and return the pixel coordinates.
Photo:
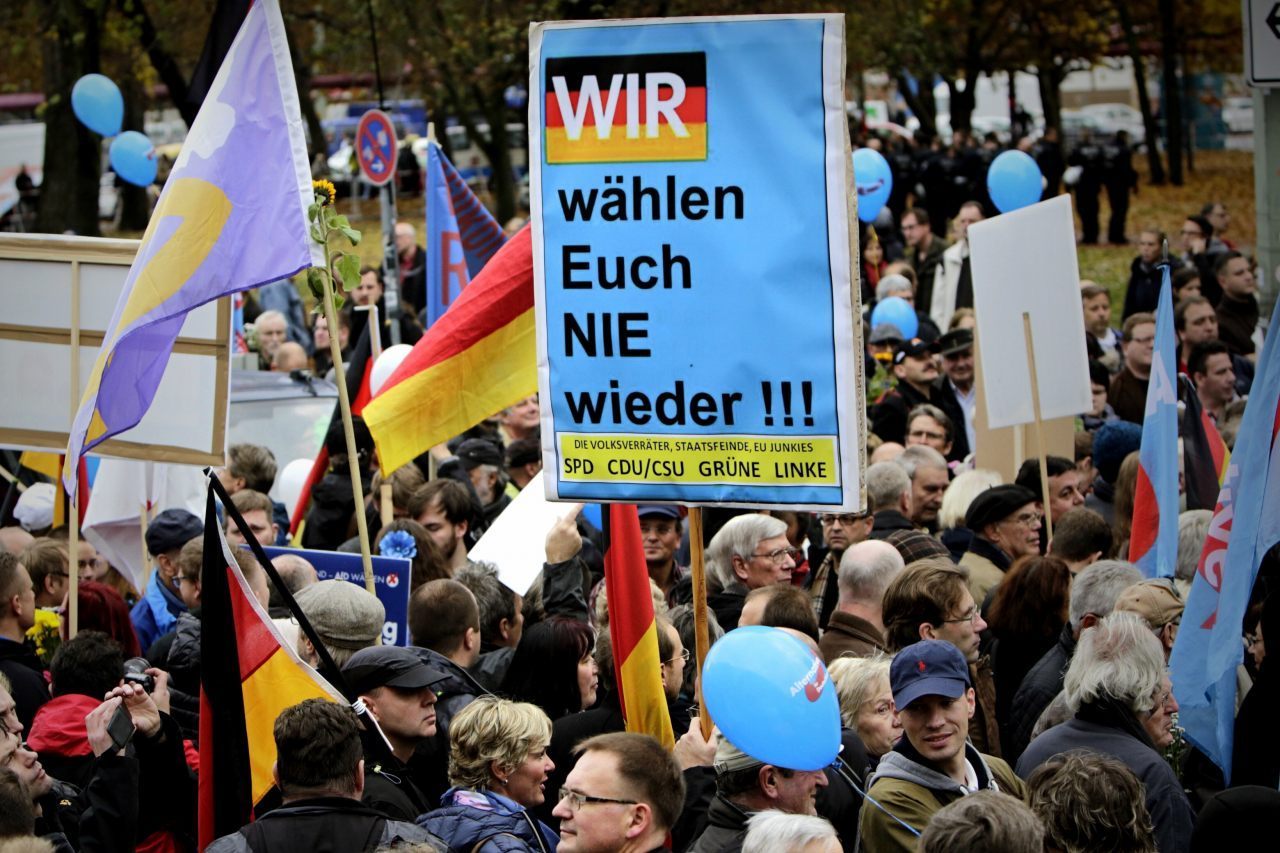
(747, 460)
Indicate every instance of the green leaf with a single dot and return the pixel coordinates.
(351, 234)
(313, 211)
(315, 282)
(348, 270)
(339, 300)
(317, 235)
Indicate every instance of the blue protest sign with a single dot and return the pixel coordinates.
(695, 301)
(376, 147)
(390, 582)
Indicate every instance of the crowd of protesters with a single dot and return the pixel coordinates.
(999, 689)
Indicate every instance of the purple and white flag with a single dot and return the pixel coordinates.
(232, 216)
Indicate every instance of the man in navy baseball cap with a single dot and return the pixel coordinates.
(933, 764)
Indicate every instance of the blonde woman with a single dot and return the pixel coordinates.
(955, 503)
(498, 767)
(866, 702)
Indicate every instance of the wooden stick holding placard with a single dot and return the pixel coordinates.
(1035, 407)
(73, 514)
(701, 639)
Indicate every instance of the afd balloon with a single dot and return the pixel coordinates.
(97, 102)
(1014, 181)
(899, 312)
(133, 158)
(874, 182)
(771, 697)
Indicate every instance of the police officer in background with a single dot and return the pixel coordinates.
(1088, 156)
(1120, 178)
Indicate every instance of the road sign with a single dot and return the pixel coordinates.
(1262, 42)
(376, 147)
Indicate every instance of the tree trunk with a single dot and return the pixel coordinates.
(921, 103)
(962, 103)
(134, 203)
(1155, 163)
(1049, 79)
(71, 33)
(161, 60)
(1172, 90)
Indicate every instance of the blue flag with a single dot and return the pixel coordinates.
(1245, 525)
(461, 234)
(1153, 543)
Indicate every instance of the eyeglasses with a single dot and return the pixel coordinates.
(971, 617)
(577, 801)
(1027, 519)
(779, 556)
(683, 657)
(926, 434)
(845, 519)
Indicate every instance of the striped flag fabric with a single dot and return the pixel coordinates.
(632, 627)
(248, 675)
(1246, 524)
(1153, 543)
(461, 234)
(479, 358)
(1204, 454)
(232, 216)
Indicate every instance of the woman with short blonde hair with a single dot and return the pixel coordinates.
(866, 702)
(498, 767)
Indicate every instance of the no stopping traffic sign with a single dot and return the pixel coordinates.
(376, 147)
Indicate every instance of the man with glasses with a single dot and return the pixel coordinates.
(924, 251)
(1128, 393)
(1005, 521)
(930, 600)
(623, 796)
(157, 611)
(749, 552)
(840, 531)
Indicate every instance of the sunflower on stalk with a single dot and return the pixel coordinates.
(341, 271)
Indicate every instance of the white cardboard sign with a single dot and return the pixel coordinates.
(1025, 262)
(515, 541)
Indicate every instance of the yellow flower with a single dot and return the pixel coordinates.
(326, 189)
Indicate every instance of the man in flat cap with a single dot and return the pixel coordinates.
(1157, 601)
(485, 466)
(156, 612)
(345, 615)
(1006, 525)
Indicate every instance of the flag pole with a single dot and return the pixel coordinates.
(701, 639)
(348, 429)
(1035, 407)
(73, 513)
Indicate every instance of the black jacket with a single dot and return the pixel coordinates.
(388, 789)
(322, 825)
(1038, 689)
(178, 653)
(726, 828)
(727, 604)
(26, 675)
(889, 416)
(1143, 293)
(889, 521)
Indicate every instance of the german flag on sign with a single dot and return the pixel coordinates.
(617, 109)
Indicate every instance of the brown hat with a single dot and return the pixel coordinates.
(1157, 601)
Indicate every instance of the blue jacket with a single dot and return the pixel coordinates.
(484, 822)
(156, 612)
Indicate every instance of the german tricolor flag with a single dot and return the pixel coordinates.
(248, 675)
(616, 109)
(477, 359)
(632, 627)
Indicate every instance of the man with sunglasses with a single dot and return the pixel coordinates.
(623, 796)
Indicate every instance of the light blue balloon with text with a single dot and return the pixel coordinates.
(133, 158)
(874, 181)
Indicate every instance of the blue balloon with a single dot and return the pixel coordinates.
(899, 312)
(97, 102)
(874, 181)
(133, 158)
(1014, 181)
(771, 697)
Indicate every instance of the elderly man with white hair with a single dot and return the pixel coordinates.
(1122, 699)
(866, 570)
(749, 552)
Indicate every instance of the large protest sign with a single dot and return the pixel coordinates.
(691, 238)
(391, 576)
(60, 292)
(1024, 262)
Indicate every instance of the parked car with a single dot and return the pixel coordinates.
(1237, 113)
(1115, 117)
(288, 413)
